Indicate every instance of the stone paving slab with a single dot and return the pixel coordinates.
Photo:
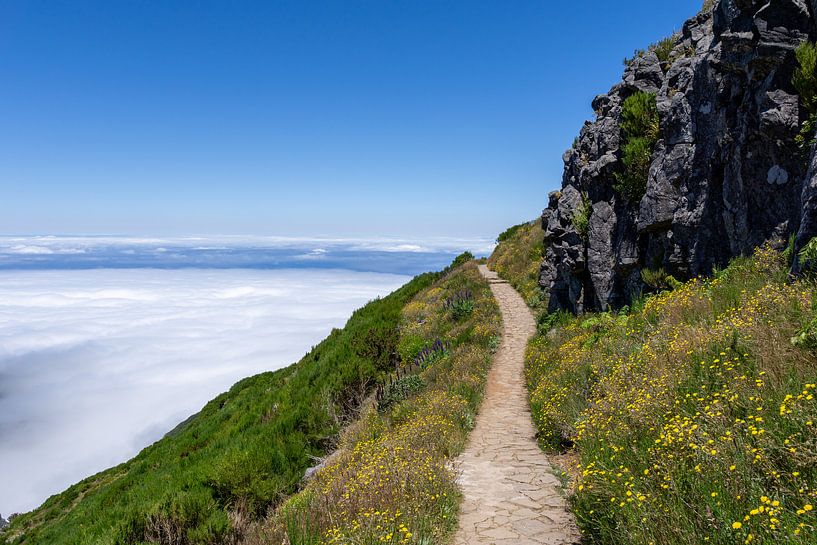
(510, 493)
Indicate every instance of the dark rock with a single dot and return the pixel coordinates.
(3, 522)
(726, 174)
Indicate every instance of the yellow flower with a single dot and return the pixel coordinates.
(736, 525)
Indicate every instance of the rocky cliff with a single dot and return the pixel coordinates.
(725, 173)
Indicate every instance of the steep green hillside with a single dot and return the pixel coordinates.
(517, 258)
(242, 454)
(392, 482)
(690, 417)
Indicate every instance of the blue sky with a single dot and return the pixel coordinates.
(373, 117)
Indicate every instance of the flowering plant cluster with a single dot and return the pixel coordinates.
(691, 417)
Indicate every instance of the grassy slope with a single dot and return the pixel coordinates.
(690, 417)
(517, 258)
(245, 451)
(391, 482)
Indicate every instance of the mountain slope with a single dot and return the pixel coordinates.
(392, 480)
(243, 453)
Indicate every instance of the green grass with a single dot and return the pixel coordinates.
(688, 417)
(517, 258)
(691, 418)
(391, 481)
(240, 456)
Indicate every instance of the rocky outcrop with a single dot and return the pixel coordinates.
(3, 522)
(726, 174)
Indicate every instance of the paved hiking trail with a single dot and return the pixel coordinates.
(510, 493)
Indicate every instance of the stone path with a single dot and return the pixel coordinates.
(510, 494)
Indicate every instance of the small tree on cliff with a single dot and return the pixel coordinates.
(639, 131)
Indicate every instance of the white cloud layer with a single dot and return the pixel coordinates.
(49, 244)
(97, 364)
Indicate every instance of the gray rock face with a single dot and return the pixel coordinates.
(3, 522)
(725, 177)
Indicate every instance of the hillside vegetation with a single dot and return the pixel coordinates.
(517, 257)
(690, 417)
(391, 482)
(240, 456)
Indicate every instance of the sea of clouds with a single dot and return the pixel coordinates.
(384, 254)
(98, 362)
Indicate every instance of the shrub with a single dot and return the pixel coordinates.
(658, 279)
(808, 255)
(806, 336)
(663, 50)
(581, 217)
(639, 130)
(805, 81)
(639, 116)
(460, 305)
(461, 259)
(508, 233)
(430, 354)
(399, 390)
(548, 320)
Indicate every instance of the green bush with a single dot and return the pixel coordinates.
(663, 50)
(805, 81)
(808, 255)
(548, 320)
(639, 116)
(581, 217)
(462, 308)
(508, 233)
(461, 259)
(400, 389)
(639, 131)
(806, 336)
(658, 279)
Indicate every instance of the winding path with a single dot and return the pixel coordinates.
(510, 493)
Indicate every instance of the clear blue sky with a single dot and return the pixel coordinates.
(412, 117)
